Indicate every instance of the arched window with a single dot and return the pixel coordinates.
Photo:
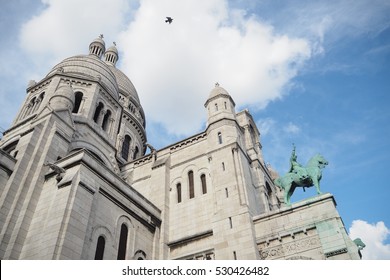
(122, 243)
(101, 243)
(178, 189)
(30, 106)
(191, 184)
(99, 108)
(139, 255)
(78, 97)
(126, 147)
(219, 138)
(203, 181)
(37, 102)
(216, 107)
(136, 151)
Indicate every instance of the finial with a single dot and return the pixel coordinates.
(101, 36)
(216, 84)
(114, 43)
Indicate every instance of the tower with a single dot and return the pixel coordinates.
(238, 176)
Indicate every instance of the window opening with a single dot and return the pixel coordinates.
(97, 112)
(126, 147)
(105, 120)
(78, 98)
(191, 184)
(101, 243)
(219, 137)
(122, 243)
(203, 181)
(178, 189)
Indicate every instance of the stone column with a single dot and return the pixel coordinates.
(111, 126)
(101, 117)
(81, 108)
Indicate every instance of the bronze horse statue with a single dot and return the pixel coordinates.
(300, 176)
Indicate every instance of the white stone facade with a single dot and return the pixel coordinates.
(209, 196)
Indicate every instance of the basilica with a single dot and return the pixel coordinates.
(79, 180)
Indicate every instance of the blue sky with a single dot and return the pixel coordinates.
(313, 73)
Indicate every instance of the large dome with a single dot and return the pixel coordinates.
(126, 87)
(89, 66)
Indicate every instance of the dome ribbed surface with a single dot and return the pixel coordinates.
(89, 66)
(126, 87)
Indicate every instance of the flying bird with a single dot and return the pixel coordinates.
(169, 20)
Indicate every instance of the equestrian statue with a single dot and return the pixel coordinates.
(300, 176)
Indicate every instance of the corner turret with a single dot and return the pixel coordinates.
(220, 105)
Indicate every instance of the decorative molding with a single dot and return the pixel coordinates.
(76, 82)
(336, 252)
(61, 185)
(187, 141)
(190, 238)
(292, 247)
(89, 189)
(37, 87)
(24, 133)
(144, 159)
(204, 255)
(135, 124)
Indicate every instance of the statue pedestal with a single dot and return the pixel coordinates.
(308, 229)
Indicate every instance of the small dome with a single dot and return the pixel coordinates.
(63, 98)
(217, 90)
(113, 49)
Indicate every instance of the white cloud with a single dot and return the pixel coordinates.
(331, 20)
(175, 66)
(292, 128)
(266, 125)
(374, 236)
(64, 27)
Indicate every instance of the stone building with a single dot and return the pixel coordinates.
(76, 181)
